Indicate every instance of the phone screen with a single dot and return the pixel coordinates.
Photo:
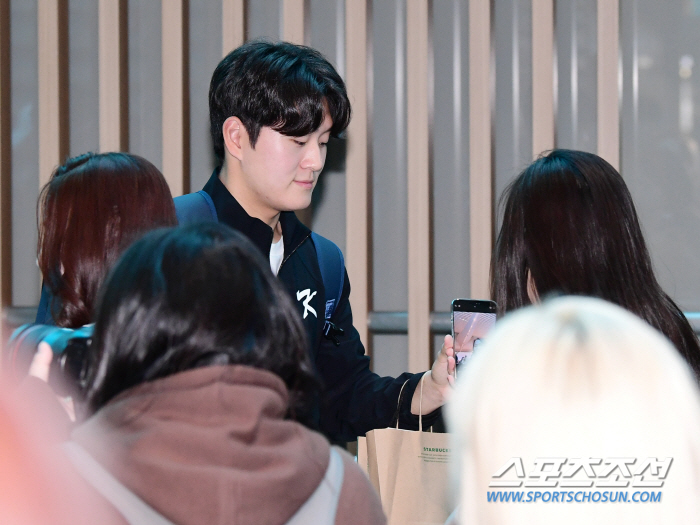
(470, 327)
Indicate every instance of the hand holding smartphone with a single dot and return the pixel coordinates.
(471, 321)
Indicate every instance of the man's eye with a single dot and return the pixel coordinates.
(300, 142)
(323, 144)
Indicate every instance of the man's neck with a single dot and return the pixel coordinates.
(233, 182)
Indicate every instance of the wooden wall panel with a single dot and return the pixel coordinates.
(53, 122)
(357, 180)
(480, 165)
(608, 81)
(175, 95)
(542, 76)
(293, 13)
(113, 78)
(419, 194)
(232, 25)
(52, 25)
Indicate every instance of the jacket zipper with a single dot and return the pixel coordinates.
(292, 252)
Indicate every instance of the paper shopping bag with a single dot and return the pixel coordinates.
(367, 458)
(362, 454)
(409, 470)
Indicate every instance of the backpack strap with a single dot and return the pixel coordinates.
(322, 506)
(195, 207)
(134, 509)
(332, 266)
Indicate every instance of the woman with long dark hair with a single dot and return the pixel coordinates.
(570, 227)
(91, 209)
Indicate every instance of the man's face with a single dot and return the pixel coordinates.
(280, 173)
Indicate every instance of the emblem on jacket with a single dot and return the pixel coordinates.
(307, 308)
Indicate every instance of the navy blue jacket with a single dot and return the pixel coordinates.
(354, 400)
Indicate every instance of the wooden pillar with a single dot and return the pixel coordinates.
(609, 81)
(113, 75)
(480, 166)
(419, 194)
(357, 162)
(52, 23)
(176, 162)
(542, 76)
(232, 24)
(293, 21)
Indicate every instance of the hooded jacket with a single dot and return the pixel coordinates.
(211, 445)
(354, 399)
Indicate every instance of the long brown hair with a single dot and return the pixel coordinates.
(569, 221)
(91, 209)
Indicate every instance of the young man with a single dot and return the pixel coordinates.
(273, 108)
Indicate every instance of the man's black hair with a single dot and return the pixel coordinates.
(281, 85)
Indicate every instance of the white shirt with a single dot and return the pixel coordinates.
(276, 255)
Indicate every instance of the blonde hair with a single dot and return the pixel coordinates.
(575, 377)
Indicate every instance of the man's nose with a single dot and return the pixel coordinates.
(314, 158)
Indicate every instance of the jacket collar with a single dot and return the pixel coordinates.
(231, 213)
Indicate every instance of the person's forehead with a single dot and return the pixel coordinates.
(325, 126)
(327, 123)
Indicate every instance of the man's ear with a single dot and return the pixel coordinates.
(234, 134)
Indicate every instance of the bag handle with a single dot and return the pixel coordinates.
(420, 405)
(398, 405)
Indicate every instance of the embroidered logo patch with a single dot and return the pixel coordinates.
(330, 304)
(301, 294)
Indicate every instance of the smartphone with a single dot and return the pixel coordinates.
(471, 321)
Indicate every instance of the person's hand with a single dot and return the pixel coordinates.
(438, 381)
(443, 370)
(40, 369)
(41, 362)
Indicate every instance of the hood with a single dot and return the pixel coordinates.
(209, 445)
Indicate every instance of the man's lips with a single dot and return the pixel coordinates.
(305, 183)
